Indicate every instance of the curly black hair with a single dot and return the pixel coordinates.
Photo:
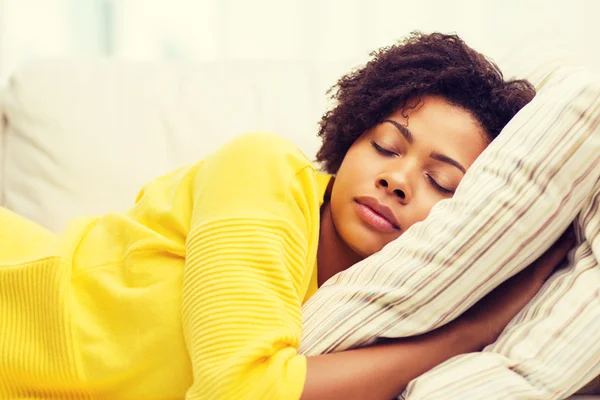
(422, 64)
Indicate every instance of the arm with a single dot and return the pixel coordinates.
(249, 255)
(514, 201)
(382, 371)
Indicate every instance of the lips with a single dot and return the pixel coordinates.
(377, 214)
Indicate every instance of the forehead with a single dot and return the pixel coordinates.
(442, 127)
(435, 112)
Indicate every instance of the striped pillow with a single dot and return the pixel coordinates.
(538, 176)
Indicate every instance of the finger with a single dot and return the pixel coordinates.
(559, 249)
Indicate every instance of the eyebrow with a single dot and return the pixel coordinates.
(448, 160)
(403, 130)
(436, 156)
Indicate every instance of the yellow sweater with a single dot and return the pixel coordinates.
(194, 293)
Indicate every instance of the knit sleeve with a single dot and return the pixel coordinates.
(253, 234)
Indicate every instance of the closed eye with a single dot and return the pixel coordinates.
(438, 187)
(383, 151)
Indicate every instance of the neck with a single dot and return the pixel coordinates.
(333, 254)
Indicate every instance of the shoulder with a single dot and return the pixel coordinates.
(256, 169)
(263, 148)
(258, 157)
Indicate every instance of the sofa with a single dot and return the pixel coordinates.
(80, 137)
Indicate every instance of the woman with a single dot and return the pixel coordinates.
(196, 291)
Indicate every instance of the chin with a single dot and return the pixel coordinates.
(362, 240)
(365, 249)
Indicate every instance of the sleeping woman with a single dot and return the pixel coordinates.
(196, 291)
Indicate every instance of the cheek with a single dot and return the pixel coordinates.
(354, 169)
(421, 207)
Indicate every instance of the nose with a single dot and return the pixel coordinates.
(397, 184)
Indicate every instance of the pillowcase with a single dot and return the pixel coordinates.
(516, 199)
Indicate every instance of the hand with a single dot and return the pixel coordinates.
(493, 313)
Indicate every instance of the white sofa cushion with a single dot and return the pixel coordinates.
(83, 136)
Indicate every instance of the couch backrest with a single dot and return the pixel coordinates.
(82, 137)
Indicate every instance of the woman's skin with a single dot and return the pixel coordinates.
(390, 179)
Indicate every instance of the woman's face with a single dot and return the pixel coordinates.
(398, 170)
